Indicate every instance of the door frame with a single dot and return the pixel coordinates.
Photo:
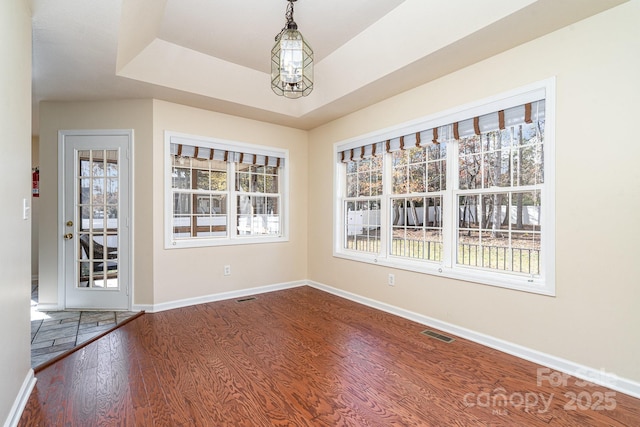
(126, 158)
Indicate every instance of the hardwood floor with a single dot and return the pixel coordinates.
(302, 357)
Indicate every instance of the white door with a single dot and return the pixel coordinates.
(96, 219)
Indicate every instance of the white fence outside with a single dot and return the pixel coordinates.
(360, 221)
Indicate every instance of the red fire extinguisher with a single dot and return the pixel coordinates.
(35, 182)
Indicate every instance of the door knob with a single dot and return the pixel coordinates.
(68, 236)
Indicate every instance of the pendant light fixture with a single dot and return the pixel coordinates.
(291, 61)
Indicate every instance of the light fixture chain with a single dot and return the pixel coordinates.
(289, 14)
(289, 17)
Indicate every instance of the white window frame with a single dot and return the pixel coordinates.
(232, 237)
(544, 283)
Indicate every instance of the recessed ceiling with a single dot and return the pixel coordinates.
(214, 54)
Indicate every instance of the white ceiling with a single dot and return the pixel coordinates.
(215, 54)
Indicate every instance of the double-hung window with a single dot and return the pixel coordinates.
(467, 194)
(222, 193)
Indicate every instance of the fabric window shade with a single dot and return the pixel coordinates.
(435, 135)
(410, 141)
(525, 113)
(361, 153)
(512, 117)
(394, 145)
(184, 150)
(428, 137)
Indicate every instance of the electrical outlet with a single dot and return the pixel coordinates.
(392, 279)
(227, 270)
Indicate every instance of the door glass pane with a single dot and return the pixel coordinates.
(98, 162)
(85, 162)
(112, 162)
(85, 190)
(111, 191)
(97, 225)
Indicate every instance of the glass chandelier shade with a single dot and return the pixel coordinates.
(291, 61)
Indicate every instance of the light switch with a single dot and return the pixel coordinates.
(25, 209)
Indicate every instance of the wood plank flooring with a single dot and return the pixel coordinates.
(302, 357)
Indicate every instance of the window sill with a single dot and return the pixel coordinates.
(207, 242)
(484, 277)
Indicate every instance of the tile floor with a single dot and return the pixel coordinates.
(54, 332)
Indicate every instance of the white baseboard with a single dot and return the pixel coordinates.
(21, 400)
(155, 308)
(49, 307)
(142, 307)
(577, 370)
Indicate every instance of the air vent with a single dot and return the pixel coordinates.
(246, 299)
(437, 336)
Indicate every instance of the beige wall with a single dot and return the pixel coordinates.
(127, 114)
(195, 272)
(594, 319)
(15, 163)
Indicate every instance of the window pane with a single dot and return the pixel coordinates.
(212, 218)
(352, 185)
(364, 186)
(257, 179)
(469, 145)
(436, 176)
(528, 165)
(203, 178)
(399, 176)
(181, 178)
(271, 184)
(469, 171)
(376, 184)
(509, 239)
(271, 170)
(494, 211)
(497, 170)
(181, 226)
(525, 210)
(258, 215)
(364, 177)
(243, 182)
(272, 205)
(433, 212)
(416, 228)
(417, 178)
(258, 184)
(218, 180)
(181, 203)
(400, 180)
(526, 253)
(362, 224)
(417, 155)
